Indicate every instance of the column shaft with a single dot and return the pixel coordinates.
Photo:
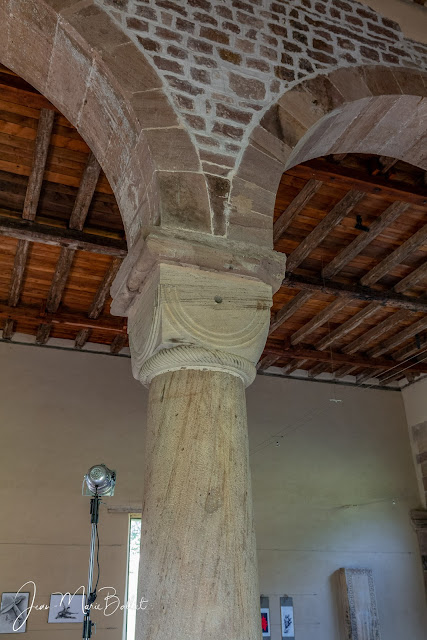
(198, 565)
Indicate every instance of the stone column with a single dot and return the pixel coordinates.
(195, 336)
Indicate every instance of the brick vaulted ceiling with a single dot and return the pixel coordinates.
(354, 229)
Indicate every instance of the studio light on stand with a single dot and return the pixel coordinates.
(99, 481)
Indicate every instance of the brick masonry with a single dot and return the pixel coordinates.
(223, 63)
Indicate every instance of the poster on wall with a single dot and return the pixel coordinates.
(66, 608)
(13, 612)
(265, 617)
(287, 618)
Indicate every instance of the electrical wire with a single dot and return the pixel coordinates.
(97, 558)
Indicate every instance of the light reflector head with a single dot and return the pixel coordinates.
(99, 480)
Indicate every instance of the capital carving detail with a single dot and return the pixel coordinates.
(187, 318)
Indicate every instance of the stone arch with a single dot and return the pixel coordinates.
(373, 109)
(84, 64)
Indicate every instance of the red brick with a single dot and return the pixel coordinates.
(278, 30)
(183, 102)
(230, 56)
(200, 46)
(266, 52)
(148, 44)
(137, 24)
(224, 12)
(231, 26)
(168, 65)
(284, 74)
(146, 12)
(196, 122)
(369, 53)
(176, 52)
(228, 130)
(245, 45)
(243, 18)
(205, 62)
(171, 6)
(200, 4)
(166, 34)
(229, 113)
(185, 25)
(214, 35)
(261, 65)
(205, 18)
(247, 87)
(242, 5)
(278, 8)
(184, 86)
(200, 75)
(322, 46)
(252, 34)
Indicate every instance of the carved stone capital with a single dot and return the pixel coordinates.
(188, 318)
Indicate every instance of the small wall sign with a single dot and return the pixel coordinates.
(287, 618)
(265, 617)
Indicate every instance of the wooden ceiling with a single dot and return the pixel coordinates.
(62, 237)
(353, 301)
(354, 229)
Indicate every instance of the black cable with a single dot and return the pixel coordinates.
(97, 557)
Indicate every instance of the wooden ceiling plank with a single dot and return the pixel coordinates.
(288, 310)
(338, 358)
(8, 329)
(267, 361)
(345, 370)
(355, 292)
(366, 375)
(294, 208)
(349, 325)
(397, 339)
(395, 258)
(104, 289)
(412, 280)
(118, 343)
(295, 364)
(377, 331)
(43, 332)
(81, 338)
(19, 265)
(41, 148)
(319, 320)
(320, 367)
(60, 278)
(365, 238)
(331, 219)
(85, 193)
(347, 177)
(57, 236)
(72, 320)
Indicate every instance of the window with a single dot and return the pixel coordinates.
(132, 576)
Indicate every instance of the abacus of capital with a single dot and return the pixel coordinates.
(198, 316)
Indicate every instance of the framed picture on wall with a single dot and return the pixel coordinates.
(66, 608)
(13, 612)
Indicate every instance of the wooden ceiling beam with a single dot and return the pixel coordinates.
(288, 310)
(81, 338)
(296, 363)
(41, 148)
(320, 367)
(60, 277)
(395, 258)
(337, 358)
(412, 280)
(267, 361)
(355, 292)
(349, 325)
(294, 208)
(417, 346)
(315, 237)
(363, 341)
(397, 339)
(8, 329)
(19, 265)
(85, 193)
(72, 320)
(319, 320)
(104, 289)
(349, 178)
(345, 370)
(119, 341)
(364, 238)
(43, 332)
(60, 237)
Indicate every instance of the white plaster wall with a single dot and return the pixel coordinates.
(415, 401)
(63, 411)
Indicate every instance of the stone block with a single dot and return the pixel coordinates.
(260, 169)
(131, 70)
(380, 80)
(172, 150)
(68, 74)
(350, 84)
(410, 82)
(96, 28)
(184, 201)
(302, 107)
(270, 144)
(153, 109)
